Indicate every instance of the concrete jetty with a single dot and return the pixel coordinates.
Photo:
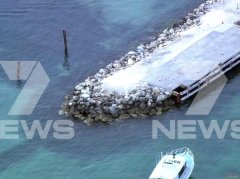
(182, 60)
(221, 56)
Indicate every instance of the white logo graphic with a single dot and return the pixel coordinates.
(60, 129)
(207, 97)
(36, 82)
(187, 129)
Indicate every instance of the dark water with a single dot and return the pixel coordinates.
(98, 33)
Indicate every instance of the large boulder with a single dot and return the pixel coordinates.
(114, 111)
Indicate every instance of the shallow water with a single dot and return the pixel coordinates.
(98, 33)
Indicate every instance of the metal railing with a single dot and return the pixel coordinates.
(210, 77)
(183, 150)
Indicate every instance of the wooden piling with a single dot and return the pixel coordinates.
(65, 41)
(176, 97)
(18, 70)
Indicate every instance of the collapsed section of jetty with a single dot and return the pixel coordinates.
(198, 48)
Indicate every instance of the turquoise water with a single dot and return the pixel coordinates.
(98, 33)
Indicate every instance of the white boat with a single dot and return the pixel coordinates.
(177, 164)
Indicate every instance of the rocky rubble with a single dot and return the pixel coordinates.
(94, 104)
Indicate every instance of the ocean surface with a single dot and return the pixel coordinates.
(99, 32)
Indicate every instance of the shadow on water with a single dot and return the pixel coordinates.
(19, 84)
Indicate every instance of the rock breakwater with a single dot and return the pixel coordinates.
(90, 102)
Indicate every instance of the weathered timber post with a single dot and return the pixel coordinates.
(65, 41)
